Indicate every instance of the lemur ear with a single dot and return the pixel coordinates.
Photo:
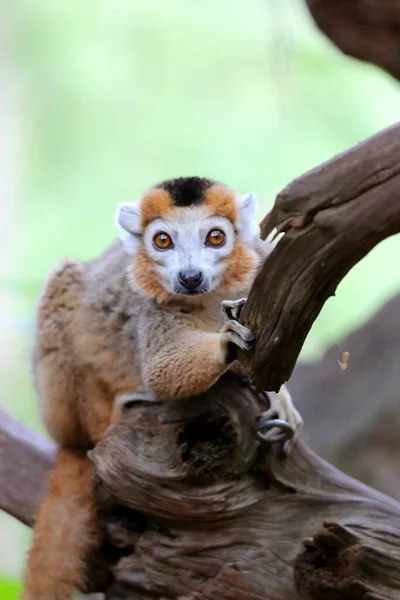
(128, 220)
(247, 225)
(128, 217)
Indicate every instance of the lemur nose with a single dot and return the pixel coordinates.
(190, 279)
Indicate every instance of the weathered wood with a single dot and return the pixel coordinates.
(365, 29)
(352, 417)
(25, 459)
(332, 217)
(216, 528)
(209, 514)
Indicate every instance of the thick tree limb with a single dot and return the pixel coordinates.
(200, 524)
(332, 217)
(216, 528)
(25, 459)
(365, 29)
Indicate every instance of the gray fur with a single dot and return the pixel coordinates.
(127, 219)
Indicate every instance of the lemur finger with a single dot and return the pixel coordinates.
(282, 405)
(275, 424)
(231, 336)
(238, 334)
(232, 309)
(246, 334)
(126, 400)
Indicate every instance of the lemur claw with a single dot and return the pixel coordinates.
(281, 422)
(271, 429)
(128, 399)
(233, 331)
(238, 334)
(232, 309)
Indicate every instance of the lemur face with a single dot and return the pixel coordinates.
(188, 237)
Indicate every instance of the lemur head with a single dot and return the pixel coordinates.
(190, 236)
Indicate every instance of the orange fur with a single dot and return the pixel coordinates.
(241, 266)
(221, 201)
(146, 278)
(155, 202)
(200, 358)
(65, 531)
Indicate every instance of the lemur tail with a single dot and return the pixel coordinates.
(65, 531)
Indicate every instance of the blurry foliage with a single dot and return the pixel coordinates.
(9, 589)
(115, 95)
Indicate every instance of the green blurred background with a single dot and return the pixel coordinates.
(102, 98)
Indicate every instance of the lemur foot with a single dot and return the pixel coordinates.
(124, 402)
(281, 422)
(136, 396)
(232, 330)
(232, 309)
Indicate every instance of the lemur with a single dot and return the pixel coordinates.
(143, 320)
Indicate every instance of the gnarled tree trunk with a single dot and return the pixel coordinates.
(228, 518)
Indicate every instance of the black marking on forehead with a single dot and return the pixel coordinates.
(186, 191)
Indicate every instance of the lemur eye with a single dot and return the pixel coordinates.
(215, 237)
(162, 241)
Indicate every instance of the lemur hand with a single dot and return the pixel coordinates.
(233, 331)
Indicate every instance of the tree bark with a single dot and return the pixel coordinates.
(365, 29)
(332, 217)
(228, 518)
(198, 510)
(25, 458)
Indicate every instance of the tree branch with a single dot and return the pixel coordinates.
(363, 29)
(25, 458)
(332, 217)
(222, 523)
